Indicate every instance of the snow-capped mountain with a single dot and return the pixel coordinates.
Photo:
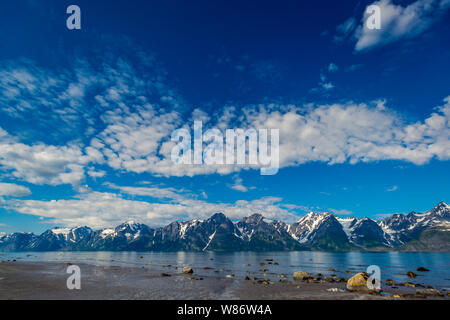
(320, 230)
(19, 241)
(401, 229)
(264, 235)
(60, 238)
(367, 233)
(216, 233)
(127, 236)
(427, 231)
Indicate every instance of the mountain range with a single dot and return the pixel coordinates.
(428, 231)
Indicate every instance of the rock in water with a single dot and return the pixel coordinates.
(390, 282)
(188, 270)
(422, 269)
(358, 282)
(301, 275)
(411, 274)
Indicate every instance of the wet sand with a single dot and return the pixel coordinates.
(47, 280)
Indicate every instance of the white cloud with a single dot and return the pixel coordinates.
(333, 67)
(324, 85)
(342, 212)
(239, 186)
(327, 85)
(154, 192)
(98, 210)
(345, 29)
(391, 189)
(96, 173)
(14, 190)
(334, 133)
(356, 133)
(353, 67)
(398, 22)
(42, 164)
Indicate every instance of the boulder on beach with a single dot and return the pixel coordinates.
(301, 275)
(429, 292)
(358, 282)
(188, 270)
(229, 276)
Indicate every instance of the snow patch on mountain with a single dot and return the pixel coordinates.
(347, 225)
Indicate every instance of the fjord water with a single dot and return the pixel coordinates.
(393, 265)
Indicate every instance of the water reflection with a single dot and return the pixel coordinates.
(394, 265)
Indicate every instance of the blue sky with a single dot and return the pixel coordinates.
(87, 115)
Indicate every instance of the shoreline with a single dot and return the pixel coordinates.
(47, 281)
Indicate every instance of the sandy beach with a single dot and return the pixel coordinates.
(47, 280)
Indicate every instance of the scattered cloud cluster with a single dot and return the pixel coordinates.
(128, 116)
(136, 137)
(336, 133)
(98, 210)
(352, 132)
(324, 84)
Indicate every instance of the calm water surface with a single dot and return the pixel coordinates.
(393, 265)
